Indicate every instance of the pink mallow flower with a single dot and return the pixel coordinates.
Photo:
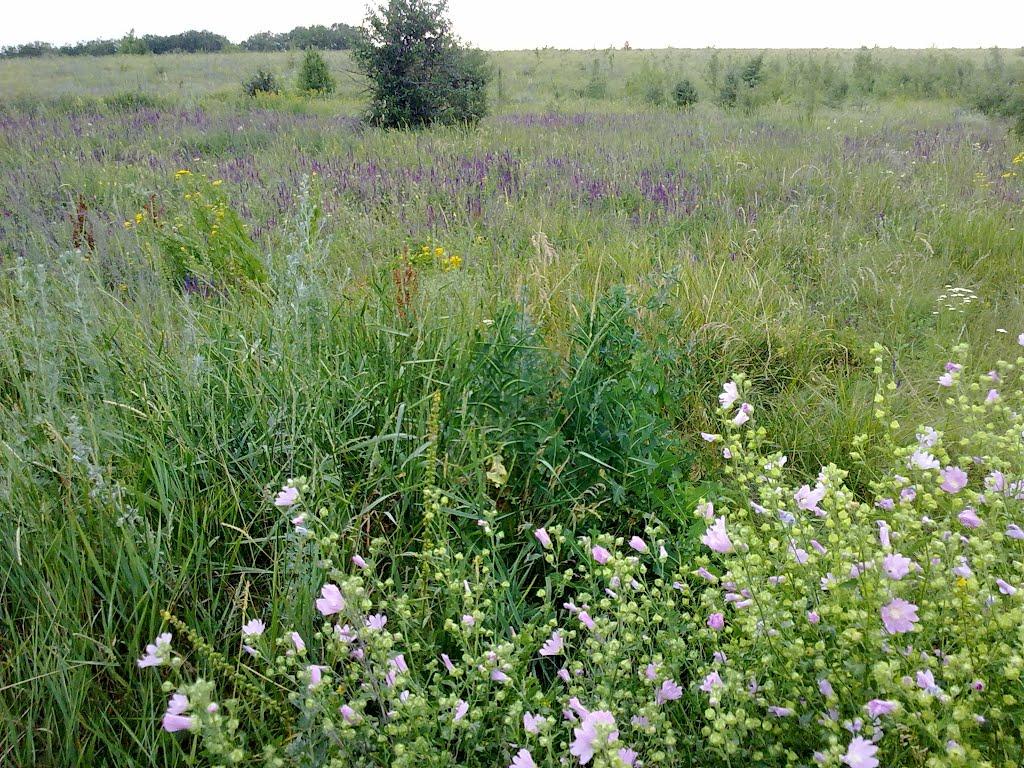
(286, 497)
(358, 562)
(808, 499)
(898, 616)
(600, 554)
(716, 537)
(253, 628)
(969, 518)
(174, 718)
(543, 538)
(879, 707)
(730, 394)
(954, 480)
(157, 653)
(522, 759)
(553, 646)
(896, 566)
(860, 754)
(670, 690)
(596, 731)
(716, 621)
(638, 544)
(330, 600)
(297, 641)
(743, 414)
(532, 723)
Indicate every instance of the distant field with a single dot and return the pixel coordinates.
(147, 408)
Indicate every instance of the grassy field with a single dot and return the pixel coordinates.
(615, 262)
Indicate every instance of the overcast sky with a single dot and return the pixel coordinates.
(560, 23)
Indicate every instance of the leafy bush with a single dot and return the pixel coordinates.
(314, 75)
(820, 628)
(418, 71)
(263, 81)
(684, 94)
(647, 85)
(132, 101)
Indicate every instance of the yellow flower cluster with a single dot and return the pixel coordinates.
(437, 255)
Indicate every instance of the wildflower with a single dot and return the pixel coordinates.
(716, 621)
(716, 537)
(253, 628)
(992, 396)
(468, 619)
(522, 759)
(712, 681)
(896, 566)
(1020, 339)
(297, 641)
(669, 691)
(879, 707)
(553, 645)
(927, 437)
(174, 719)
(1014, 531)
(498, 676)
(946, 379)
(596, 731)
(286, 497)
(358, 562)
(157, 653)
(376, 621)
(920, 459)
(969, 518)
(898, 616)
(860, 754)
(543, 538)
(348, 714)
(461, 708)
(330, 601)
(299, 521)
(447, 663)
(585, 619)
(532, 723)
(706, 510)
(781, 711)
(813, 617)
(628, 756)
(730, 394)
(1005, 587)
(315, 674)
(638, 544)
(926, 682)
(600, 554)
(825, 688)
(708, 437)
(743, 414)
(954, 480)
(808, 499)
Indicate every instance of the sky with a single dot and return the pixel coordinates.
(517, 24)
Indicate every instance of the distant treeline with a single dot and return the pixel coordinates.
(333, 38)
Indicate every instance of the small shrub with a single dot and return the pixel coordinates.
(263, 81)
(314, 75)
(684, 94)
(132, 101)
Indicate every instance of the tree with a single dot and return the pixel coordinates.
(314, 76)
(419, 72)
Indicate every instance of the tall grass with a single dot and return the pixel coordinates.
(143, 428)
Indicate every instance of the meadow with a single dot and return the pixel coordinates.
(223, 315)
